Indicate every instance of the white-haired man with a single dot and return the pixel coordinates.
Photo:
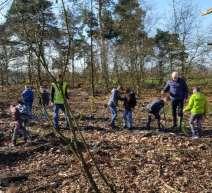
(178, 91)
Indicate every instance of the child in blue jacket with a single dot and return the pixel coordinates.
(28, 97)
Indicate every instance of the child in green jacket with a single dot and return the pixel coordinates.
(198, 107)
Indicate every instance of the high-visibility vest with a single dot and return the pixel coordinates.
(59, 93)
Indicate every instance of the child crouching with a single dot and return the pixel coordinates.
(154, 108)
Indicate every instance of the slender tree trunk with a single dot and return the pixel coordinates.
(2, 76)
(141, 73)
(91, 50)
(29, 70)
(6, 63)
(104, 63)
(103, 49)
(73, 71)
(183, 63)
(116, 68)
(171, 63)
(39, 70)
(161, 74)
(161, 66)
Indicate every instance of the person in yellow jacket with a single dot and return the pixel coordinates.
(59, 92)
(198, 107)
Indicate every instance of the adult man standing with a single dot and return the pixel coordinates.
(59, 92)
(178, 91)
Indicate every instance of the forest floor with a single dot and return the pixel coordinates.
(137, 161)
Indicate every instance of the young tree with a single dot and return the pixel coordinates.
(7, 54)
(91, 23)
(169, 52)
(131, 37)
(105, 22)
(33, 25)
(185, 23)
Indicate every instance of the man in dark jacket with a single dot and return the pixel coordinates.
(178, 91)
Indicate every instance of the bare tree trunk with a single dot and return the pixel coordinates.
(183, 65)
(160, 71)
(6, 63)
(73, 71)
(116, 69)
(2, 76)
(39, 70)
(29, 70)
(104, 63)
(91, 52)
(103, 48)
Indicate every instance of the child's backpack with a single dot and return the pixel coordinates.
(133, 100)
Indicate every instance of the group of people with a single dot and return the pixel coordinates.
(22, 110)
(176, 91)
(129, 102)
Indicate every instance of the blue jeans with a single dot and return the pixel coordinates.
(113, 111)
(57, 108)
(127, 118)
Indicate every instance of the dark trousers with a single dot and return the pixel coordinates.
(149, 119)
(177, 110)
